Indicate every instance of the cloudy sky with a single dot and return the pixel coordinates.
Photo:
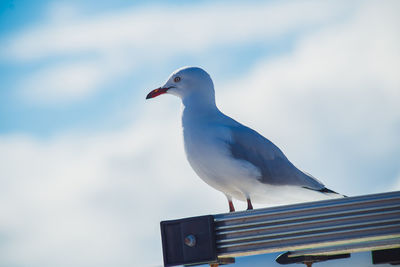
(88, 168)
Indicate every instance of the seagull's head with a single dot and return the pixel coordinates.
(187, 82)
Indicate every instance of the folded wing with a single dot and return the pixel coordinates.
(248, 145)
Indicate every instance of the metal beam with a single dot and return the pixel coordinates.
(329, 227)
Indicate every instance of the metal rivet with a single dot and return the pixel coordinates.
(190, 241)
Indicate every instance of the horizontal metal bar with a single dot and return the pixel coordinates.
(354, 223)
(337, 234)
(327, 207)
(288, 217)
(274, 224)
(326, 230)
(332, 203)
(362, 244)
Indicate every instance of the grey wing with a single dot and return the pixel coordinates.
(275, 168)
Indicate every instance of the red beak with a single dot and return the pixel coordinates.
(157, 92)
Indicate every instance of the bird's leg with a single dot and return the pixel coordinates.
(249, 205)
(231, 207)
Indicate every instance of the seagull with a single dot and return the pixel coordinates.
(230, 157)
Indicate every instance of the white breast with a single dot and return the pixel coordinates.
(206, 148)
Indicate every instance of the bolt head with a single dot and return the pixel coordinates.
(190, 241)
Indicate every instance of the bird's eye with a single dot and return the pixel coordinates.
(177, 79)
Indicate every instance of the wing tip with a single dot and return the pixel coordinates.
(325, 190)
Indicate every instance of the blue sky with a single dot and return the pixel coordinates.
(86, 161)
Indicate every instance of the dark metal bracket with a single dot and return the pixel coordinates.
(391, 256)
(189, 241)
(308, 260)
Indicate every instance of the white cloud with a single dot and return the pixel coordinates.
(120, 41)
(97, 200)
(396, 185)
(64, 82)
(72, 81)
(187, 28)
